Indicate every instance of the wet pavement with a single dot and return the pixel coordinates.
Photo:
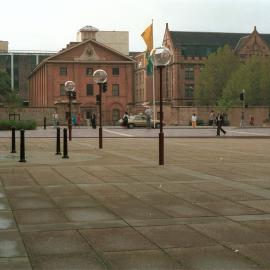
(115, 208)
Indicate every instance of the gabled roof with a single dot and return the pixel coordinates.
(57, 57)
(181, 38)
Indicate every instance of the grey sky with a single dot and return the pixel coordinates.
(51, 24)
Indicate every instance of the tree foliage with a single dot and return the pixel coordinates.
(254, 77)
(5, 87)
(218, 69)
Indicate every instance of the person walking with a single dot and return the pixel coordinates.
(55, 119)
(220, 122)
(194, 120)
(148, 114)
(211, 119)
(125, 119)
(93, 120)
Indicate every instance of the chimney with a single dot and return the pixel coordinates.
(87, 32)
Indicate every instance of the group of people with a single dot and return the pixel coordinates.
(218, 120)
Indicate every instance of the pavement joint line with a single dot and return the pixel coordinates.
(218, 150)
(118, 133)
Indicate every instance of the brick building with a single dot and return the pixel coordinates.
(190, 50)
(77, 62)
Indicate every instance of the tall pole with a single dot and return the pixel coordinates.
(100, 116)
(69, 116)
(161, 134)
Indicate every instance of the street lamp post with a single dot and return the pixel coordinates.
(70, 91)
(242, 98)
(100, 77)
(161, 57)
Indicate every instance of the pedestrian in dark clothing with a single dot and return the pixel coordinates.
(125, 120)
(220, 122)
(93, 120)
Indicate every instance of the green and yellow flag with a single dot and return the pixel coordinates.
(147, 36)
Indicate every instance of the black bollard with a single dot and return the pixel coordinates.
(58, 147)
(13, 142)
(44, 122)
(22, 147)
(65, 144)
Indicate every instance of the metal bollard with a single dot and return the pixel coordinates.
(22, 147)
(13, 142)
(65, 144)
(58, 147)
(45, 122)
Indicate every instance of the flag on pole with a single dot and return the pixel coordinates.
(147, 36)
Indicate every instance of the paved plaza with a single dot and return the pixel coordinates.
(115, 208)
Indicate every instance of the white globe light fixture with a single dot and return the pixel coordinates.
(100, 77)
(70, 86)
(161, 57)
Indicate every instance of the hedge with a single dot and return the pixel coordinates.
(22, 124)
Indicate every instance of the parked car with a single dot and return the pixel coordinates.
(139, 120)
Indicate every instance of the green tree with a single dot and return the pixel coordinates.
(254, 77)
(218, 69)
(5, 87)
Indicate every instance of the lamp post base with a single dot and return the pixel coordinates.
(100, 137)
(161, 148)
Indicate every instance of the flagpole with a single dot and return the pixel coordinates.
(154, 95)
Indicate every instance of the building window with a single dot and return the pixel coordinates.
(89, 90)
(189, 73)
(63, 71)
(89, 71)
(62, 90)
(115, 90)
(115, 71)
(189, 90)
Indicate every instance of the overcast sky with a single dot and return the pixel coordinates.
(51, 24)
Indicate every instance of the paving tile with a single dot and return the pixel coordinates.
(197, 197)
(47, 176)
(231, 232)
(262, 226)
(228, 208)
(4, 205)
(69, 190)
(175, 236)
(95, 213)
(263, 205)
(20, 263)
(116, 239)
(83, 261)
(211, 258)
(174, 207)
(11, 244)
(74, 201)
(31, 202)
(102, 190)
(55, 242)
(257, 252)
(172, 187)
(237, 195)
(17, 179)
(24, 192)
(141, 260)
(136, 188)
(77, 175)
(39, 216)
(6, 220)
